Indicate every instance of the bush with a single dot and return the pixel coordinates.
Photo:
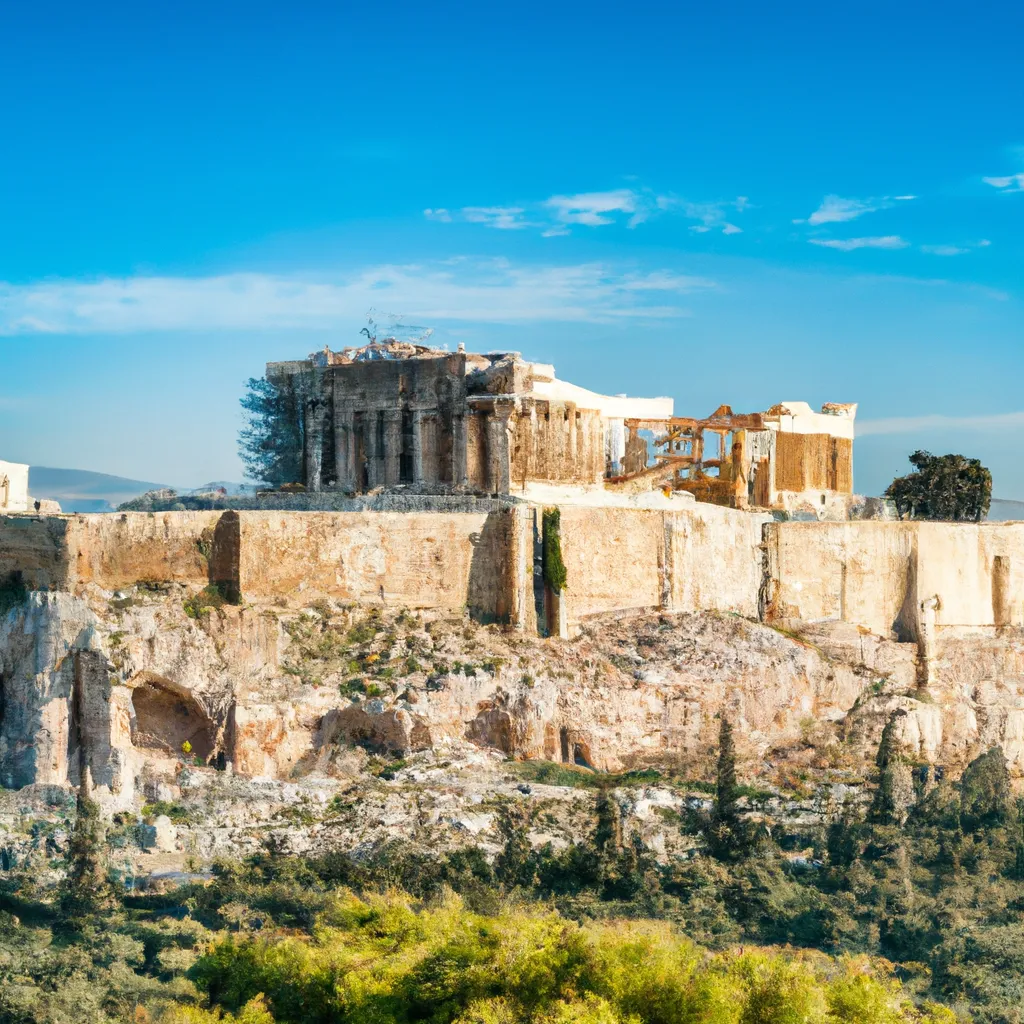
(555, 574)
(379, 959)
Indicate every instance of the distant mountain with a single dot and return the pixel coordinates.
(79, 490)
(1003, 511)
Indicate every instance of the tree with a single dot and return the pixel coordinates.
(895, 794)
(945, 487)
(271, 442)
(986, 798)
(843, 836)
(725, 782)
(727, 833)
(85, 890)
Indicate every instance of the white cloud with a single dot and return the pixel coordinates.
(712, 216)
(462, 290)
(504, 218)
(592, 208)
(1007, 183)
(837, 210)
(558, 214)
(914, 424)
(944, 250)
(873, 242)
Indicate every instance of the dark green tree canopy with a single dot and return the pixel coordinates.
(946, 487)
(270, 443)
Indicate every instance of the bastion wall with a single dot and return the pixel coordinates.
(900, 578)
(887, 577)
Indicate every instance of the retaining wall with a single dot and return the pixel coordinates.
(877, 574)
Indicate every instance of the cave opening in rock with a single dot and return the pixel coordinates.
(581, 756)
(167, 717)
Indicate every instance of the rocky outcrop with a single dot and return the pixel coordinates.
(128, 690)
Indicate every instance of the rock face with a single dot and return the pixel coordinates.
(128, 690)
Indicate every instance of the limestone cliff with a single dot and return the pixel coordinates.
(132, 687)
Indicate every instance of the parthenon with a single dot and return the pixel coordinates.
(397, 415)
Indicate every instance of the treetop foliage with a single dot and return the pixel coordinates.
(270, 444)
(943, 487)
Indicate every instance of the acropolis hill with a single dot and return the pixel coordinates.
(467, 563)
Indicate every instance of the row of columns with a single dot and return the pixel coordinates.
(381, 450)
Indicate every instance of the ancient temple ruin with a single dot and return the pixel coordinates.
(396, 415)
(14, 487)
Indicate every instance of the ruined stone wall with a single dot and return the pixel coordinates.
(36, 547)
(413, 560)
(813, 462)
(877, 574)
(124, 548)
(689, 560)
(557, 442)
(14, 487)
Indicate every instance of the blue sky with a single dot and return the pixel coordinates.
(739, 203)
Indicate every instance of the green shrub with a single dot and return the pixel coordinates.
(555, 575)
(209, 598)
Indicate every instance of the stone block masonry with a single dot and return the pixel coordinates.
(484, 560)
(900, 579)
(905, 579)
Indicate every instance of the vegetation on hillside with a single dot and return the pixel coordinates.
(906, 900)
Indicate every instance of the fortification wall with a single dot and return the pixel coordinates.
(716, 559)
(902, 579)
(446, 560)
(36, 547)
(877, 574)
(110, 550)
(614, 559)
(699, 558)
(120, 549)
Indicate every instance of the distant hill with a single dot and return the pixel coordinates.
(1003, 510)
(79, 490)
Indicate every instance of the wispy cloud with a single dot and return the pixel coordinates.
(504, 218)
(944, 250)
(461, 290)
(560, 214)
(871, 242)
(1007, 182)
(713, 216)
(591, 209)
(955, 250)
(916, 424)
(837, 210)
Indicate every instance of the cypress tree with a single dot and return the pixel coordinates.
(895, 793)
(726, 793)
(727, 834)
(85, 890)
